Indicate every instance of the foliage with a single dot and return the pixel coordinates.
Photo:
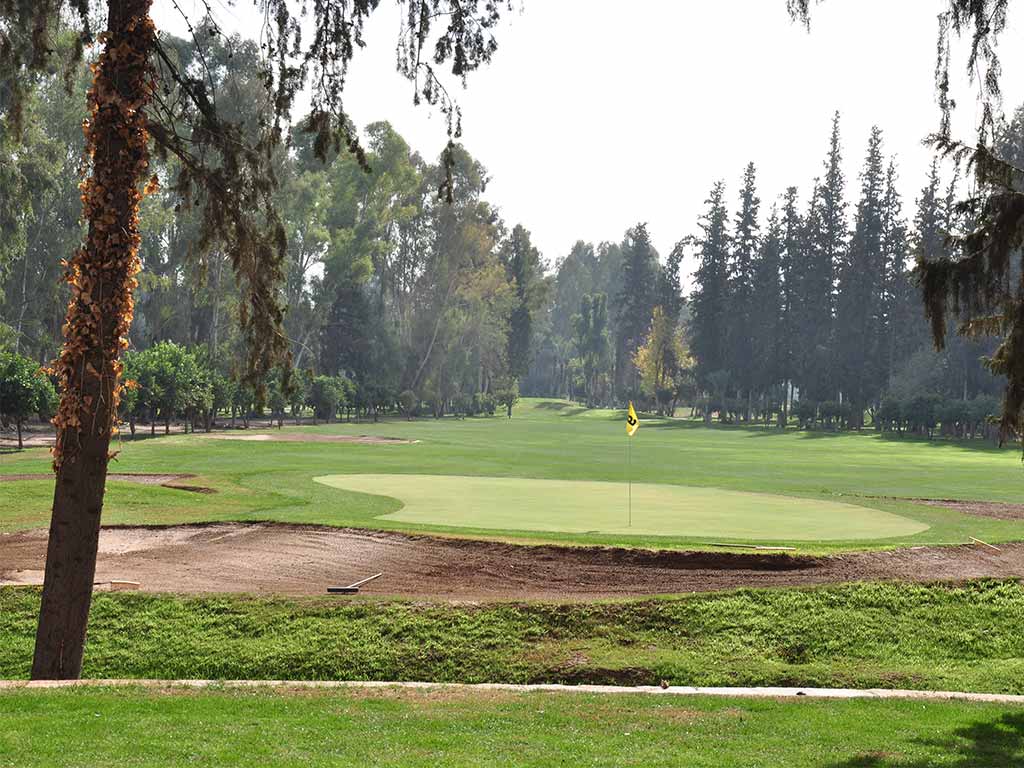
(858, 635)
(25, 390)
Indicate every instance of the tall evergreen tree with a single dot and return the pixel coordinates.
(861, 277)
(825, 241)
(742, 287)
(791, 273)
(766, 319)
(636, 299)
(894, 258)
(709, 302)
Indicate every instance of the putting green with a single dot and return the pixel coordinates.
(572, 506)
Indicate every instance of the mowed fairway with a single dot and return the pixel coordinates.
(820, 492)
(578, 506)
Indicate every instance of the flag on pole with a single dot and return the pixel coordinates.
(632, 422)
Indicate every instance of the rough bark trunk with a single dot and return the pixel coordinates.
(102, 277)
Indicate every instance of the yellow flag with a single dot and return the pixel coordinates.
(632, 422)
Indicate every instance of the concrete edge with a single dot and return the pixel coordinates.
(673, 690)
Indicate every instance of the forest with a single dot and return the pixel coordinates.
(799, 308)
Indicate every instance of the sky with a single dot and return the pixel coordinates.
(598, 114)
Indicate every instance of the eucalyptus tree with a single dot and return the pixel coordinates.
(141, 99)
(526, 273)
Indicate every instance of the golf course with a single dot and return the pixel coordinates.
(516, 479)
(506, 557)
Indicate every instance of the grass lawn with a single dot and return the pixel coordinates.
(580, 506)
(557, 441)
(132, 726)
(937, 637)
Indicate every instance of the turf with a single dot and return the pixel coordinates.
(555, 441)
(936, 637)
(442, 729)
(580, 506)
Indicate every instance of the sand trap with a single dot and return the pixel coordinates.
(305, 560)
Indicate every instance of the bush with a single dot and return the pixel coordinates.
(806, 412)
(24, 390)
(325, 396)
(408, 403)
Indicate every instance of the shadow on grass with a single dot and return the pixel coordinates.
(768, 431)
(562, 407)
(995, 743)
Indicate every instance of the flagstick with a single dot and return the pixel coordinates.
(629, 477)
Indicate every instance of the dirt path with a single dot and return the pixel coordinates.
(305, 560)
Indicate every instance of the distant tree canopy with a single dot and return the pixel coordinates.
(974, 284)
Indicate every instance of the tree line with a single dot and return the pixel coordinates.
(408, 303)
(809, 312)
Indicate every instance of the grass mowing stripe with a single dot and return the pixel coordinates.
(129, 726)
(936, 637)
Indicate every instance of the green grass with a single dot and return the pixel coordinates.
(443, 729)
(555, 441)
(580, 506)
(865, 635)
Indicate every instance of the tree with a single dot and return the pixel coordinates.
(825, 242)
(710, 298)
(859, 330)
(24, 390)
(590, 329)
(746, 243)
(635, 302)
(660, 361)
(325, 397)
(973, 282)
(767, 362)
(525, 271)
(227, 176)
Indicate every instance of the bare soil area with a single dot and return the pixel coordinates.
(997, 509)
(304, 560)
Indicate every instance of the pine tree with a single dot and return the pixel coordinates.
(742, 288)
(766, 321)
(636, 299)
(710, 298)
(791, 273)
(894, 256)
(825, 242)
(861, 277)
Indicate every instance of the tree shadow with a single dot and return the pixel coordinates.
(562, 407)
(995, 743)
(769, 431)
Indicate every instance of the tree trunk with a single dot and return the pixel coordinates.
(102, 277)
(20, 442)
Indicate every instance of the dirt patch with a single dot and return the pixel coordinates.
(269, 558)
(311, 437)
(999, 510)
(142, 478)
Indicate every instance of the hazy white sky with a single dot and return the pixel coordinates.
(597, 114)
